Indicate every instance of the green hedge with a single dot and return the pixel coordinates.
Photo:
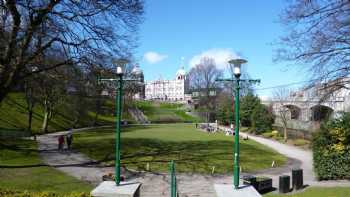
(331, 147)
(10, 193)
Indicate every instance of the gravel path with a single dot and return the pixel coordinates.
(190, 185)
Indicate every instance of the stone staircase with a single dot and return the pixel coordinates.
(138, 116)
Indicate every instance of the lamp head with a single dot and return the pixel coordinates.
(120, 63)
(236, 63)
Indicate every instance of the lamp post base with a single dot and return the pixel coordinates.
(226, 190)
(110, 189)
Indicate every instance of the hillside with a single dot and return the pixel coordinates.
(14, 117)
(161, 112)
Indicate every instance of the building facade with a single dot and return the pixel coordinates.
(307, 108)
(169, 90)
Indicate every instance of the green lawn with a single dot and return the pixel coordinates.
(193, 150)
(158, 112)
(20, 170)
(317, 192)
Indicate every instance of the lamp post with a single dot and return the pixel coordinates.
(118, 82)
(235, 66)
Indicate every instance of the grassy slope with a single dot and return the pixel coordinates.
(13, 115)
(317, 192)
(29, 176)
(158, 112)
(193, 150)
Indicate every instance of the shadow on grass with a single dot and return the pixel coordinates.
(190, 156)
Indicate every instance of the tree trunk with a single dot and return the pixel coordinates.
(30, 118)
(45, 122)
(285, 134)
(3, 94)
(98, 109)
(46, 117)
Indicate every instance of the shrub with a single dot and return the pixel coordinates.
(11, 193)
(331, 147)
(268, 134)
(261, 119)
(300, 142)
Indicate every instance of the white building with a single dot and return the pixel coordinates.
(169, 90)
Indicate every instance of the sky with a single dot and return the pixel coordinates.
(178, 33)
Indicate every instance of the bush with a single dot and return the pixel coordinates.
(331, 147)
(268, 134)
(300, 142)
(261, 119)
(11, 193)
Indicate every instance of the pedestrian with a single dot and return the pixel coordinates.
(69, 139)
(60, 143)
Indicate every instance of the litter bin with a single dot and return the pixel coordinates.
(284, 183)
(297, 179)
(249, 180)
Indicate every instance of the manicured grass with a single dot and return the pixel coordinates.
(192, 149)
(22, 169)
(317, 192)
(158, 112)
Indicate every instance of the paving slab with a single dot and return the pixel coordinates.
(110, 189)
(228, 190)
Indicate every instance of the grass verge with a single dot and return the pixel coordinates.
(22, 169)
(317, 192)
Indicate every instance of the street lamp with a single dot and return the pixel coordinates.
(118, 82)
(235, 65)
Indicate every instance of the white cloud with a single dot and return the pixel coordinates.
(154, 57)
(221, 57)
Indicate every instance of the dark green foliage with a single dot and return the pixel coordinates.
(247, 106)
(252, 113)
(331, 147)
(261, 119)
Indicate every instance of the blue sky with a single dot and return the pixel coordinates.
(180, 32)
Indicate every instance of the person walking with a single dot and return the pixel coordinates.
(69, 139)
(60, 143)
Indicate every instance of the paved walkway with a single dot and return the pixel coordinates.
(305, 162)
(157, 185)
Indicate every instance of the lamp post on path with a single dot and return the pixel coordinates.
(235, 66)
(118, 83)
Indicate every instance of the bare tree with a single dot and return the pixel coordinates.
(318, 36)
(80, 32)
(31, 100)
(280, 100)
(202, 78)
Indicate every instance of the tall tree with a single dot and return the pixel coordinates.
(202, 78)
(80, 32)
(318, 36)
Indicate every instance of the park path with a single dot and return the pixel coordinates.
(157, 184)
(302, 159)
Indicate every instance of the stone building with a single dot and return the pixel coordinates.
(174, 90)
(307, 108)
(137, 73)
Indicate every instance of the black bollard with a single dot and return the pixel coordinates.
(297, 179)
(284, 184)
